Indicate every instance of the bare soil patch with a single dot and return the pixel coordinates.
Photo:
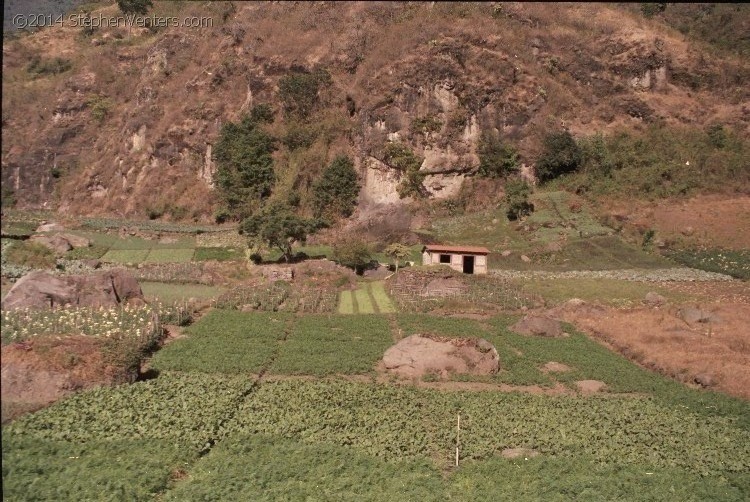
(555, 367)
(39, 372)
(714, 353)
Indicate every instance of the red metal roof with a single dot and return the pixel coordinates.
(456, 249)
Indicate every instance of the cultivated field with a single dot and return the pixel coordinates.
(270, 406)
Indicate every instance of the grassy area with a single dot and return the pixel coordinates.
(218, 254)
(168, 293)
(125, 469)
(346, 303)
(383, 302)
(320, 345)
(608, 291)
(133, 256)
(224, 341)
(269, 468)
(724, 261)
(169, 255)
(368, 298)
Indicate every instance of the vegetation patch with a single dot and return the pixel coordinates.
(401, 422)
(124, 469)
(218, 254)
(133, 256)
(224, 341)
(261, 467)
(169, 255)
(321, 345)
(169, 293)
(724, 261)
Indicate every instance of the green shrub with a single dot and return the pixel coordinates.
(243, 155)
(352, 253)
(299, 91)
(495, 158)
(38, 67)
(335, 193)
(99, 106)
(561, 155)
(650, 9)
(400, 157)
(30, 254)
(517, 193)
(426, 124)
(300, 136)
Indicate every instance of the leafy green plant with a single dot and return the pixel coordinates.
(561, 155)
(400, 157)
(517, 193)
(277, 226)
(100, 107)
(335, 192)
(352, 253)
(245, 175)
(299, 91)
(496, 159)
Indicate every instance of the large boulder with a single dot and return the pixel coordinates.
(60, 243)
(42, 289)
(56, 243)
(535, 325)
(50, 227)
(418, 355)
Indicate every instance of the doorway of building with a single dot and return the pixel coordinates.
(468, 264)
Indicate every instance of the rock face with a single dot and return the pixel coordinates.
(61, 243)
(417, 355)
(654, 299)
(538, 326)
(41, 289)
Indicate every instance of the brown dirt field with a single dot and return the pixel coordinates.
(713, 291)
(658, 339)
(38, 373)
(710, 220)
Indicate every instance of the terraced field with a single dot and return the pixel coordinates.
(281, 407)
(368, 298)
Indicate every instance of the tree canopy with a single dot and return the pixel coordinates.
(277, 226)
(140, 7)
(243, 155)
(335, 193)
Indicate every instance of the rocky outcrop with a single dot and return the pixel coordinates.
(60, 243)
(418, 355)
(534, 325)
(42, 289)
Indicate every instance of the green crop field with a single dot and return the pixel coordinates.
(133, 256)
(169, 255)
(168, 293)
(327, 344)
(274, 406)
(368, 298)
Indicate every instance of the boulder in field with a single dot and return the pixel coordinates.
(535, 325)
(40, 289)
(417, 355)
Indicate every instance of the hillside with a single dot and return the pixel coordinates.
(118, 121)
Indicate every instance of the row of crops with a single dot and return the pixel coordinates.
(415, 428)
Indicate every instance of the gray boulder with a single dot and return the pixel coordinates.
(42, 289)
(535, 325)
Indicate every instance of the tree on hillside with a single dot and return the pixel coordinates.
(299, 91)
(397, 252)
(133, 8)
(243, 155)
(561, 155)
(139, 7)
(517, 193)
(352, 253)
(400, 157)
(335, 192)
(495, 158)
(279, 227)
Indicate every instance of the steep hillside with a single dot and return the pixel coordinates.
(123, 121)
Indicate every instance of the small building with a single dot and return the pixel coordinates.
(466, 259)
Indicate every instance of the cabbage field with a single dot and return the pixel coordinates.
(276, 406)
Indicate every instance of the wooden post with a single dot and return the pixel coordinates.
(458, 436)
